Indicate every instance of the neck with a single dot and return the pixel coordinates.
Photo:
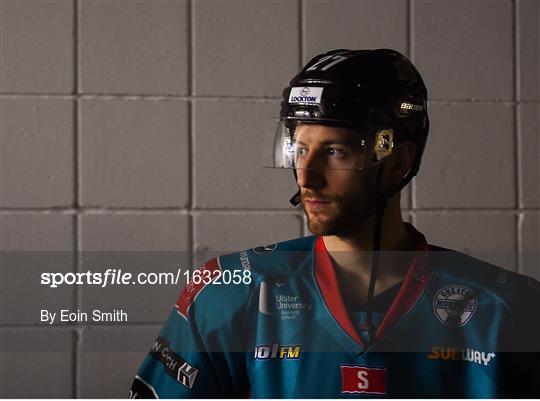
(353, 254)
(394, 236)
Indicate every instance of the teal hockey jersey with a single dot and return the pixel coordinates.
(270, 323)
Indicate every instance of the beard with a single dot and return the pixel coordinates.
(344, 217)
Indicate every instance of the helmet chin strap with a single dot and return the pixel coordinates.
(295, 200)
(380, 206)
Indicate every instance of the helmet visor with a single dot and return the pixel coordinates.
(303, 145)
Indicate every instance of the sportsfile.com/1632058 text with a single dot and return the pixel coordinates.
(120, 277)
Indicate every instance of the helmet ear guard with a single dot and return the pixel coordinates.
(384, 143)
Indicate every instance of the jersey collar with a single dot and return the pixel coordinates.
(416, 280)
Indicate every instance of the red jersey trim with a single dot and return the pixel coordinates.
(192, 290)
(327, 280)
(415, 282)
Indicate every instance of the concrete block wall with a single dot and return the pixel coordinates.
(138, 126)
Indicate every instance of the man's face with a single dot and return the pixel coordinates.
(336, 194)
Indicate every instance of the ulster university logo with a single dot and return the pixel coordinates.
(454, 305)
(287, 306)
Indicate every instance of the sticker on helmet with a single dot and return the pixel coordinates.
(384, 143)
(306, 94)
(327, 62)
(411, 106)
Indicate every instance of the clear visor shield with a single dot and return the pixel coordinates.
(312, 146)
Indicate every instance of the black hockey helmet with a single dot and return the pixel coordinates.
(379, 92)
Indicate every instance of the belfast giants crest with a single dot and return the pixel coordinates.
(454, 305)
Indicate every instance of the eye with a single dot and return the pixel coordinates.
(337, 152)
(301, 151)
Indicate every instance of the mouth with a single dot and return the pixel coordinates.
(317, 204)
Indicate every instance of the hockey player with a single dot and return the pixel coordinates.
(365, 307)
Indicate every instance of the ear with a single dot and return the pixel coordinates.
(399, 163)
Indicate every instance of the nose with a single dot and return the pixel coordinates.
(308, 175)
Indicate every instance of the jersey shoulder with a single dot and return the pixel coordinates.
(512, 288)
(273, 259)
(231, 280)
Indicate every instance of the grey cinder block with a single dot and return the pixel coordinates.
(37, 46)
(238, 231)
(529, 123)
(354, 25)
(134, 153)
(464, 49)
(135, 47)
(244, 48)
(32, 244)
(36, 363)
(528, 14)
(530, 244)
(37, 152)
(469, 159)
